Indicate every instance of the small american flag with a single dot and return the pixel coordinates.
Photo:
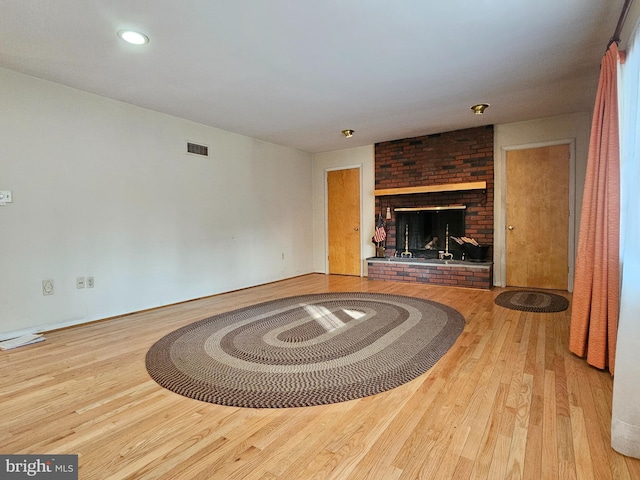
(380, 233)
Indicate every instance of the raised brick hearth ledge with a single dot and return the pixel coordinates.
(450, 273)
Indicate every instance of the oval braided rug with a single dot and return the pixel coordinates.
(532, 301)
(305, 350)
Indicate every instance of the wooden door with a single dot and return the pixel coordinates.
(537, 208)
(343, 201)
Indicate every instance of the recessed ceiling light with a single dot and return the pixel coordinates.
(348, 133)
(136, 38)
(480, 108)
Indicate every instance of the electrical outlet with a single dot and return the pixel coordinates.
(80, 282)
(90, 282)
(47, 287)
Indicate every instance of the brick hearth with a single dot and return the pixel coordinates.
(452, 275)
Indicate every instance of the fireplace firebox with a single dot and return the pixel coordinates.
(422, 231)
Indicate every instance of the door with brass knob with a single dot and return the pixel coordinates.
(537, 209)
(343, 222)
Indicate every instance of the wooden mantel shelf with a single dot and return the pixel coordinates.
(446, 187)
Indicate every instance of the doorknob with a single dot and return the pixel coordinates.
(356, 228)
(510, 227)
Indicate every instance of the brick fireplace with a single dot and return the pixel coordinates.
(451, 169)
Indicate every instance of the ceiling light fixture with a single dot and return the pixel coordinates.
(480, 108)
(135, 38)
(348, 133)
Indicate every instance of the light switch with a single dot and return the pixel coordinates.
(5, 197)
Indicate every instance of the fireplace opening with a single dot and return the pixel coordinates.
(425, 230)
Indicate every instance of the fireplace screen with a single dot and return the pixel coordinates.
(425, 229)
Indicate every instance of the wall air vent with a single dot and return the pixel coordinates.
(195, 149)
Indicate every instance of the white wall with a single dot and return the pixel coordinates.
(102, 188)
(625, 421)
(575, 128)
(362, 157)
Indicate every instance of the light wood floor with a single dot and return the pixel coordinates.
(507, 401)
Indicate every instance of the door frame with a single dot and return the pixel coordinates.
(500, 221)
(326, 214)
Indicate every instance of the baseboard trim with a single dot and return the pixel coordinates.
(81, 321)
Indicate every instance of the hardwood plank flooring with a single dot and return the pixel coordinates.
(507, 401)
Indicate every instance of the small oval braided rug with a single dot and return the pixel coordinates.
(532, 301)
(305, 350)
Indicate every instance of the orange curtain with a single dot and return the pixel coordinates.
(594, 315)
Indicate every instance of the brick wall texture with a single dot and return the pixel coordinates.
(453, 157)
(446, 275)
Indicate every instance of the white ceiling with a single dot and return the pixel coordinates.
(296, 73)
